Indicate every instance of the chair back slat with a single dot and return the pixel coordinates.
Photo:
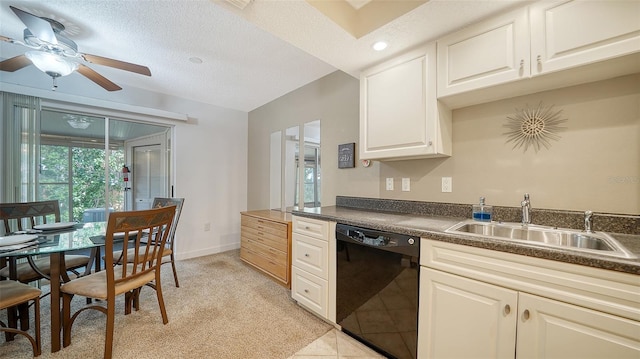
(146, 231)
(25, 215)
(164, 202)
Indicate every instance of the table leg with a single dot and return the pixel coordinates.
(12, 312)
(56, 263)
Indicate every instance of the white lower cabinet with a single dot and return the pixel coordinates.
(478, 303)
(553, 329)
(312, 267)
(464, 318)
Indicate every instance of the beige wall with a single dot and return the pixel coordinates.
(595, 165)
(333, 100)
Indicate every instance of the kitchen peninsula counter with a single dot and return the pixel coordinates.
(427, 224)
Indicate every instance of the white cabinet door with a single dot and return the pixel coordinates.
(399, 113)
(492, 52)
(567, 34)
(553, 329)
(465, 318)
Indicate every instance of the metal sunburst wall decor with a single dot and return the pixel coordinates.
(534, 127)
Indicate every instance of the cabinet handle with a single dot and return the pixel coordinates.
(306, 290)
(306, 254)
(306, 227)
(539, 59)
(521, 64)
(507, 309)
(526, 314)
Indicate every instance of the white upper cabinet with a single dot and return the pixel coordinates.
(524, 51)
(565, 33)
(492, 52)
(400, 116)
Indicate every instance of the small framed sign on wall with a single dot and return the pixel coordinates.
(346, 155)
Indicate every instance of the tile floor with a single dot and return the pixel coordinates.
(336, 345)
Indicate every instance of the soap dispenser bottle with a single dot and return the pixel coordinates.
(482, 212)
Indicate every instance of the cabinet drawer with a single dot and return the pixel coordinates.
(265, 251)
(309, 290)
(311, 255)
(266, 238)
(264, 225)
(311, 227)
(276, 269)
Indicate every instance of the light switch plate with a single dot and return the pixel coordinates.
(406, 184)
(447, 185)
(390, 184)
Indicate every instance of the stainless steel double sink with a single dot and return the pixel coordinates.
(592, 242)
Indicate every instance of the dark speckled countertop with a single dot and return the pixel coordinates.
(433, 226)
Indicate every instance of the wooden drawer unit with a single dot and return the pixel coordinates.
(266, 243)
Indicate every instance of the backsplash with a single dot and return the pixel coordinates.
(604, 222)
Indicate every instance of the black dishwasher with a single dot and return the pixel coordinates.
(377, 289)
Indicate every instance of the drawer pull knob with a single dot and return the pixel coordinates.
(526, 315)
(306, 227)
(507, 309)
(306, 254)
(306, 290)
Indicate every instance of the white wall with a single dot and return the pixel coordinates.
(595, 165)
(334, 100)
(209, 154)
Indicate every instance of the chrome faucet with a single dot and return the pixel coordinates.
(588, 221)
(526, 208)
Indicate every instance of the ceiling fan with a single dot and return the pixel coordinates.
(56, 55)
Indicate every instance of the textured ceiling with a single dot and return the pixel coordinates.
(250, 57)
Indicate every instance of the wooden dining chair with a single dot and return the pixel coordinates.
(13, 293)
(168, 252)
(117, 279)
(24, 216)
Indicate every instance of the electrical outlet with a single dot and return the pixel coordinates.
(447, 184)
(406, 184)
(390, 184)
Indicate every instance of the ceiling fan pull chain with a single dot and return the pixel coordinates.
(55, 84)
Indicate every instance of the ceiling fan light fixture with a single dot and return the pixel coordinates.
(80, 123)
(52, 64)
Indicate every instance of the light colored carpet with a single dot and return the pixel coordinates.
(223, 309)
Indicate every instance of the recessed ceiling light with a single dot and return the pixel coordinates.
(379, 46)
(195, 60)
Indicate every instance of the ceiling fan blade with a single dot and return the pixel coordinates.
(127, 66)
(14, 63)
(6, 39)
(39, 27)
(97, 78)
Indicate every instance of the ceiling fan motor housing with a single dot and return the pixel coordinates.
(65, 46)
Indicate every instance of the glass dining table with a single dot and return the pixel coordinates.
(82, 237)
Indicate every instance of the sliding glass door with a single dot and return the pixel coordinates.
(92, 164)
